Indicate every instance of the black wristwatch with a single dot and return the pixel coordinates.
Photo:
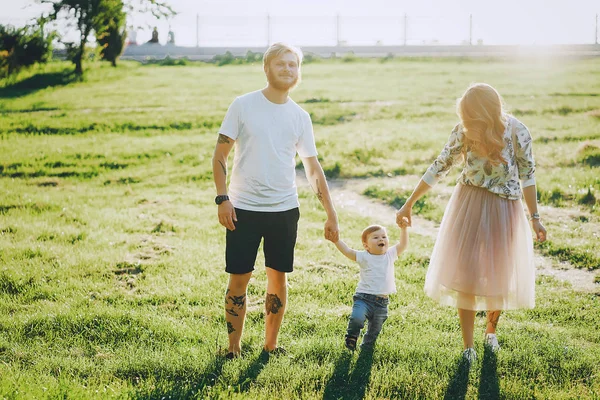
(221, 198)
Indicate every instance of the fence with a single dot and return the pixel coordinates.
(340, 30)
(390, 30)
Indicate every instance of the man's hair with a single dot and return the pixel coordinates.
(370, 229)
(277, 49)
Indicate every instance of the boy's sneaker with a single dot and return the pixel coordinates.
(351, 343)
(492, 342)
(469, 355)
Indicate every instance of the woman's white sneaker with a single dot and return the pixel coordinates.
(492, 341)
(470, 355)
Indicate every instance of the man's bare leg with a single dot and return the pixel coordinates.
(274, 306)
(235, 309)
(492, 321)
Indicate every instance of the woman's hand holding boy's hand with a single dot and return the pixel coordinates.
(403, 224)
(403, 216)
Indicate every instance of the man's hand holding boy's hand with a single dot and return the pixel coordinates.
(332, 230)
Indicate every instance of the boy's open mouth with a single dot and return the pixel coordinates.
(381, 244)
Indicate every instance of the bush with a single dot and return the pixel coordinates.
(168, 61)
(334, 171)
(253, 57)
(349, 57)
(224, 59)
(588, 154)
(23, 47)
(310, 58)
(555, 197)
(588, 198)
(388, 57)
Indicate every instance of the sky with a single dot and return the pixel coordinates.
(358, 22)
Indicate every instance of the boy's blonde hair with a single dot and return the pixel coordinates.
(481, 111)
(277, 49)
(370, 229)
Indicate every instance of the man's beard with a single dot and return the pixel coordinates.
(279, 85)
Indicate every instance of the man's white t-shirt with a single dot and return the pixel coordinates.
(267, 137)
(377, 272)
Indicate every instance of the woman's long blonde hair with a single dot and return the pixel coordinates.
(481, 112)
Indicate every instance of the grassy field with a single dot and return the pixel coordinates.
(112, 259)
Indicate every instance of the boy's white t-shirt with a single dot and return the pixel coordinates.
(377, 272)
(267, 137)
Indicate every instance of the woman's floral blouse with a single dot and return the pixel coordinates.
(501, 179)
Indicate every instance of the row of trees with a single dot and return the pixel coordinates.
(106, 19)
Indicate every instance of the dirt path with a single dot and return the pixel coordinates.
(347, 196)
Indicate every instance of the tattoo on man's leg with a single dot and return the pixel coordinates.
(223, 139)
(238, 300)
(226, 293)
(230, 328)
(231, 311)
(273, 304)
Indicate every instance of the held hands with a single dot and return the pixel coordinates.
(227, 215)
(332, 230)
(404, 217)
(403, 224)
(540, 231)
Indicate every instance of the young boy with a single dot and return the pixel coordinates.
(370, 302)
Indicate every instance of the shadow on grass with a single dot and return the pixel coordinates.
(184, 384)
(248, 376)
(344, 384)
(38, 82)
(457, 388)
(489, 385)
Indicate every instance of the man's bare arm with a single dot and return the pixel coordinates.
(219, 163)
(318, 183)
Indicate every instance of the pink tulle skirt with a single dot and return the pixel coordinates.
(483, 255)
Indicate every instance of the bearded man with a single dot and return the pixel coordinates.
(267, 129)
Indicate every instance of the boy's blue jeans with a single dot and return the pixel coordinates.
(367, 307)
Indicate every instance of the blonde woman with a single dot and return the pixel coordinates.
(483, 255)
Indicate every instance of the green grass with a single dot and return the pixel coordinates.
(112, 258)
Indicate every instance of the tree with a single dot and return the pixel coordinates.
(22, 47)
(89, 15)
(110, 28)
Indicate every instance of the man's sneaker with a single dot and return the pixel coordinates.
(492, 341)
(469, 355)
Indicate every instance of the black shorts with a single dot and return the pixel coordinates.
(279, 229)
